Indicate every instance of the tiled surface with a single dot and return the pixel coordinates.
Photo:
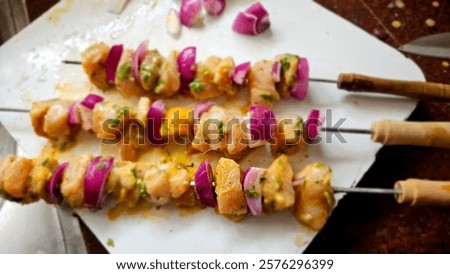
(377, 224)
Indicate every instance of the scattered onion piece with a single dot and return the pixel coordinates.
(173, 24)
(155, 117)
(94, 180)
(52, 187)
(262, 122)
(138, 57)
(214, 7)
(186, 63)
(112, 62)
(201, 108)
(254, 20)
(313, 124)
(276, 71)
(240, 72)
(252, 189)
(203, 184)
(190, 12)
(73, 117)
(300, 89)
(91, 100)
(298, 181)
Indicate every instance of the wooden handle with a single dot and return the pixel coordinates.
(417, 192)
(429, 134)
(414, 89)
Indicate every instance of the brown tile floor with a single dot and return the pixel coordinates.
(376, 224)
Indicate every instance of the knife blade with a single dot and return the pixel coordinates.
(436, 45)
(37, 228)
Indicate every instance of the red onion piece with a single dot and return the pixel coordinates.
(74, 118)
(262, 122)
(240, 72)
(252, 189)
(94, 180)
(52, 187)
(138, 57)
(276, 71)
(112, 62)
(91, 100)
(155, 117)
(186, 63)
(201, 108)
(214, 7)
(203, 184)
(300, 89)
(190, 12)
(298, 181)
(313, 124)
(254, 20)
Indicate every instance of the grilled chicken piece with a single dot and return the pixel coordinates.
(122, 183)
(289, 65)
(15, 177)
(230, 195)
(93, 60)
(314, 196)
(278, 192)
(37, 114)
(55, 121)
(156, 181)
(169, 77)
(125, 81)
(261, 84)
(39, 177)
(213, 78)
(72, 185)
(149, 70)
(179, 180)
(5, 163)
(142, 110)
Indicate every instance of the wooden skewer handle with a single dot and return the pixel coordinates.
(428, 134)
(417, 192)
(414, 89)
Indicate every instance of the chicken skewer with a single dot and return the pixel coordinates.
(87, 181)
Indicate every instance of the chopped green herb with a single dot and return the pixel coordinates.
(251, 193)
(197, 86)
(134, 172)
(123, 71)
(159, 86)
(206, 72)
(221, 130)
(46, 162)
(267, 97)
(262, 179)
(190, 165)
(101, 166)
(329, 197)
(3, 192)
(285, 64)
(114, 122)
(142, 188)
(148, 72)
(317, 182)
(279, 181)
(110, 242)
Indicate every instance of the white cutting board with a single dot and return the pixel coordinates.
(30, 66)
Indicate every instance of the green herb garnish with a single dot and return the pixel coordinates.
(221, 130)
(262, 179)
(190, 165)
(114, 122)
(267, 97)
(285, 63)
(46, 162)
(123, 71)
(197, 86)
(110, 242)
(142, 188)
(251, 193)
(101, 166)
(3, 192)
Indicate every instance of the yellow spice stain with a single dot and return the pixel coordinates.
(54, 16)
(143, 209)
(300, 240)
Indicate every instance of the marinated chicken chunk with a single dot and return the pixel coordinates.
(179, 182)
(278, 192)
(39, 177)
(108, 119)
(149, 70)
(122, 184)
(37, 115)
(289, 65)
(169, 76)
(72, 185)
(314, 195)
(125, 81)
(16, 177)
(156, 181)
(230, 195)
(213, 78)
(55, 121)
(261, 84)
(289, 138)
(5, 163)
(93, 60)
